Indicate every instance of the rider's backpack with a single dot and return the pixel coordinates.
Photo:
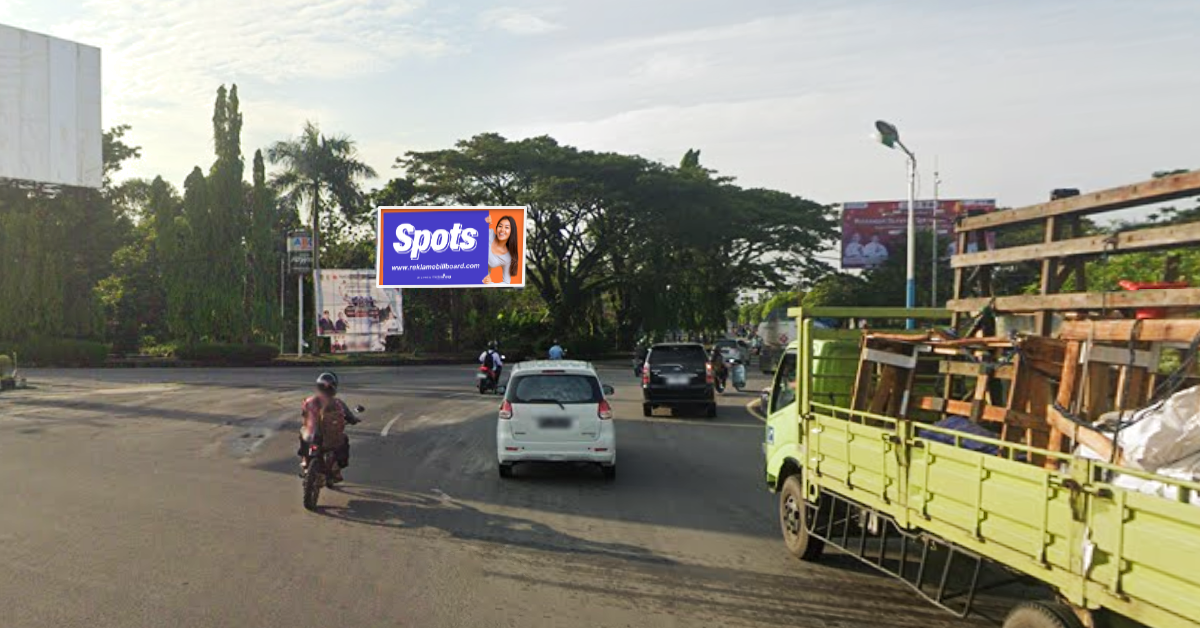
(489, 360)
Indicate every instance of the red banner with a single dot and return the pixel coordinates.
(873, 230)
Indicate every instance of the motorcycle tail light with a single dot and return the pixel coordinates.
(506, 410)
(604, 411)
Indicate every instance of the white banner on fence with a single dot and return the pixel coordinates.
(356, 314)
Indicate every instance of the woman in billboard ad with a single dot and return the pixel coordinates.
(503, 253)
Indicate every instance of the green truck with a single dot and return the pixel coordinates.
(940, 516)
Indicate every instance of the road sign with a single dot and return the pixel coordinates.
(300, 262)
(300, 252)
(299, 242)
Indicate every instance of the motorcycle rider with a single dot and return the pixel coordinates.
(326, 416)
(492, 359)
(556, 351)
(717, 359)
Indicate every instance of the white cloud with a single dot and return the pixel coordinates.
(164, 59)
(517, 21)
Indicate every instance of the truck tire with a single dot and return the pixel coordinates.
(1042, 615)
(793, 522)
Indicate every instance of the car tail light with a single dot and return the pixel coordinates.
(708, 372)
(506, 410)
(604, 411)
(646, 374)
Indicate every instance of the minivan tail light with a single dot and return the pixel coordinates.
(604, 411)
(708, 372)
(646, 374)
(506, 410)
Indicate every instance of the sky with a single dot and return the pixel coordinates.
(1010, 99)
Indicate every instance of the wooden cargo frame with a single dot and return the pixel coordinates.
(1065, 249)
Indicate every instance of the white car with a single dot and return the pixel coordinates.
(556, 411)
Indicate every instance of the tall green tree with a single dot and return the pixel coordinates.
(222, 228)
(264, 255)
(321, 174)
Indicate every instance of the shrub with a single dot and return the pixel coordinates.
(228, 354)
(58, 352)
(167, 350)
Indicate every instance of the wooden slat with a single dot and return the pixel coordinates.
(1184, 297)
(1160, 330)
(1094, 440)
(993, 414)
(1153, 191)
(971, 369)
(1138, 240)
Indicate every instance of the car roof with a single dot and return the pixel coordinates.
(676, 344)
(571, 366)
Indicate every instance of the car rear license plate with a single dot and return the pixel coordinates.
(679, 380)
(555, 423)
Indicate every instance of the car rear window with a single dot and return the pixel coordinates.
(677, 355)
(540, 388)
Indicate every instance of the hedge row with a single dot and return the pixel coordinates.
(228, 354)
(57, 352)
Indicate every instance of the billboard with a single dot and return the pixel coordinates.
(355, 313)
(451, 247)
(49, 110)
(872, 230)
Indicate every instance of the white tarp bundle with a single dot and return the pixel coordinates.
(1163, 439)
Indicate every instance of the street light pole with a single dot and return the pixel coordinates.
(889, 136)
(937, 181)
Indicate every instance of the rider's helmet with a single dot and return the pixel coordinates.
(492, 345)
(327, 383)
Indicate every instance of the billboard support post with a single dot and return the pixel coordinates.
(282, 292)
(300, 315)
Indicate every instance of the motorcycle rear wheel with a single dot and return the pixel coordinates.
(313, 481)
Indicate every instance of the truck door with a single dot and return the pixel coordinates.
(783, 419)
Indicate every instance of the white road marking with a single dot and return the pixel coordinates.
(442, 495)
(386, 428)
(752, 408)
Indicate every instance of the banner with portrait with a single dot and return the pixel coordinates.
(354, 312)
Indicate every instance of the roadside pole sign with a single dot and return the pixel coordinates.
(300, 252)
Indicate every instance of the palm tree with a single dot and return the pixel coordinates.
(319, 171)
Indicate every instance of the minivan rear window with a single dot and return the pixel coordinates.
(677, 354)
(539, 388)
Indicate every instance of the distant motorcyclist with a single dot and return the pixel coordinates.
(717, 359)
(492, 359)
(325, 416)
(556, 351)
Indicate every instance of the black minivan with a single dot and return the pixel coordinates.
(677, 374)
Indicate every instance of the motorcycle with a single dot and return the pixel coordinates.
(487, 379)
(737, 372)
(319, 465)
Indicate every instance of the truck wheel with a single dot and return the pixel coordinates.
(647, 409)
(1042, 615)
(793, 519)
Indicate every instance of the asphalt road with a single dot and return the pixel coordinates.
(169, 498)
